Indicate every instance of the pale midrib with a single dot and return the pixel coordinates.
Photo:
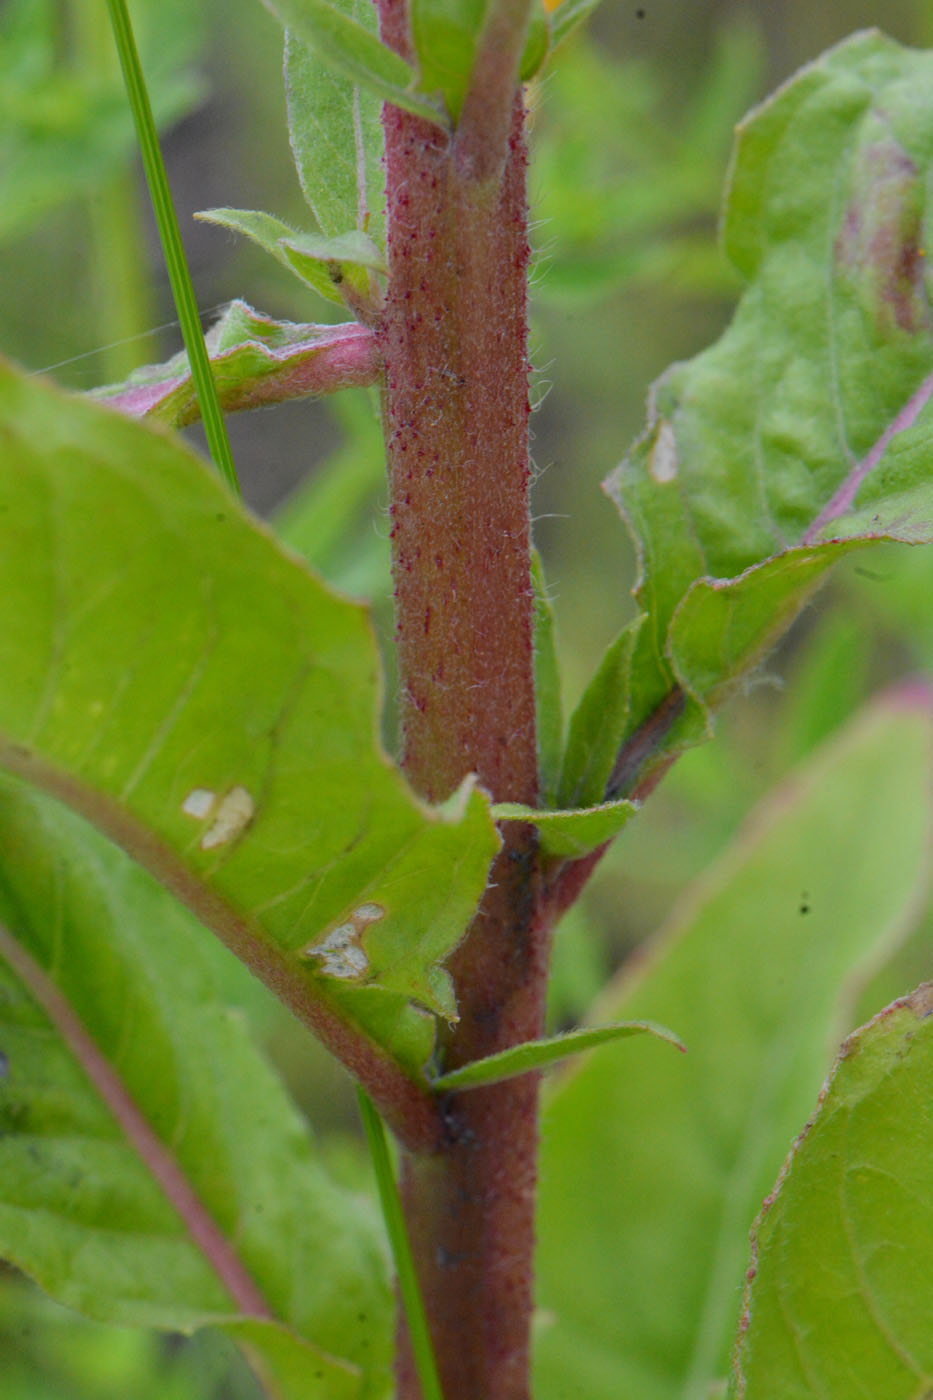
(163, 1165)
(844, 498)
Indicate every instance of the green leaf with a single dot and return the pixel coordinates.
(549, 717)
(180, 679)
(571, 834)
(152, 1170)
(758, 972)
(839, 1296)
(336, 136)
(349, 47)
(446, 34)
(537, 44)
(539, 1054)
(598, 724)
(406, 1273)
(804, 432)
(325, 264)
(255, 361)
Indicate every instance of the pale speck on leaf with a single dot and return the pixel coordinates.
(663, 460)
(229, 815)
(340, 952)
(199, 803)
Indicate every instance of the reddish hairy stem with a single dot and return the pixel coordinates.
(454, 346)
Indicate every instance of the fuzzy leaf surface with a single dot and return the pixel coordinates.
(335, 129)
(151, 1166)
(174, 674)
(347, 43)
(840, 1301)
(805, 431)
(323, 263)
(757, 972)
(256, 361)
(570, 834)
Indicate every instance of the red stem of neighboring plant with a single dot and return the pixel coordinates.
(454, 344)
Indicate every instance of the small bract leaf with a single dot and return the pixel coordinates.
(540, 1054)
(840, 1293)
(571, 834)
(322, 263)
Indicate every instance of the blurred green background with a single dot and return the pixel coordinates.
(631, 133)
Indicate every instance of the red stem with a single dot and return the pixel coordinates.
(454, 345)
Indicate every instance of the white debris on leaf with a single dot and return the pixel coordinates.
(340, 952)
(663, 460)
(228, 815)
(199, 803)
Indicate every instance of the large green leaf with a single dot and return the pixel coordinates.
(805, 431)
(152, 1170)
(175, 675)
(653, 1165)
(840, 1291)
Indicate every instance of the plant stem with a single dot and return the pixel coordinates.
(454, 344)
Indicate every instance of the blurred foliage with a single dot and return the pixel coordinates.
(64, 122)
(631, 136)
(627, 187)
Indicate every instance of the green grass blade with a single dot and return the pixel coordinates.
(401, 1250)
(172, 246)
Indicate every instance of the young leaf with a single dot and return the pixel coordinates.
(598, 724)
(839, 1294)
(351, 48)
(176, 676)
(758, 972)
(335, 128)
(549, 716)
(326, 264)
(446, 34)
(540, 1054)
(804, 432)
(152, 1170)
(255, 361)
(572, 834)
